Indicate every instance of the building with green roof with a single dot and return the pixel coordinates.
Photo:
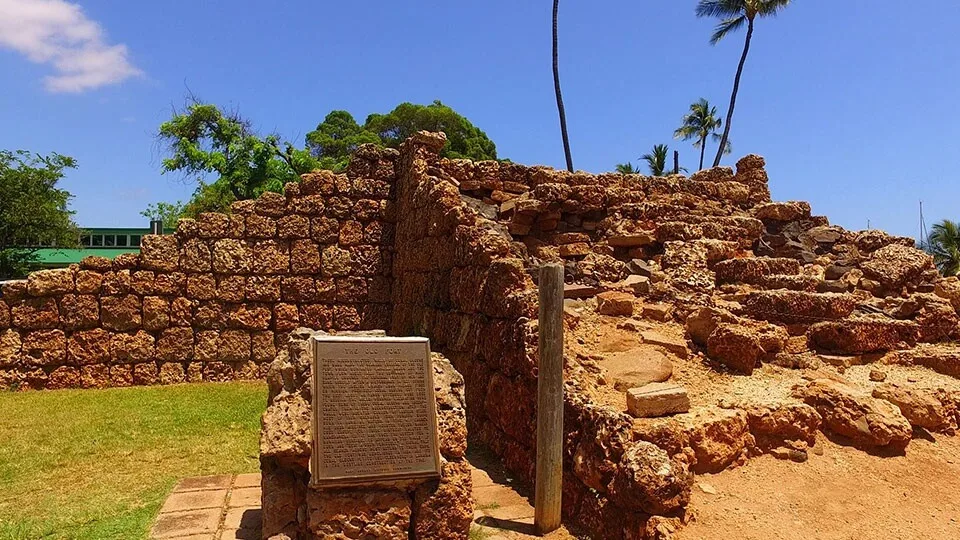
(103, 242)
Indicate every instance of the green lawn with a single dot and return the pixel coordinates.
(98, 464)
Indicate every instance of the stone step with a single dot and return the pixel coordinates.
(754, 270)
(786, 306)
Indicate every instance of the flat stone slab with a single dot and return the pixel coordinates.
(675, 345)
(657, 399)
(211, 508)
(221, 481)
(194, 500)
(186, 523)
(245, 497)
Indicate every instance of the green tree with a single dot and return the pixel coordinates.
(33, 211)
(336, 138)
(943, 243)
(464, 140)
(699, 124)
(657, 160)
(168, 213)
(203, 140)
(627, 168)
(556, 89)
(733, 14)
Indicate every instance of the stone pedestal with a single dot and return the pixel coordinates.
(438, 509)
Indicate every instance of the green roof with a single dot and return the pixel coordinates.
(64, 257)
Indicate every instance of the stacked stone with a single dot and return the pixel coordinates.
(292, 510)
(213, 301)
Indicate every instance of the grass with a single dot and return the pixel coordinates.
(97, 464)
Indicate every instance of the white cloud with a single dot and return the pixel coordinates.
(57, 32)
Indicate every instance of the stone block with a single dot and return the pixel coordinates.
(270, 257)
(88, 281)
(116, 282)
(293, 226)
(195, 256)
(201, 286)
(231, 288)
(156, 313)
(304, 257)
(615, 303)
(132, 348)
(50, 282)
(231, 256)
(263, 288)
(120, 313)
(9, 348)
(44, 348)
(89, 347)
(172, 284)
(36, 314)
(79, 311)
(657, 399)
(159, 252)
(175, 345)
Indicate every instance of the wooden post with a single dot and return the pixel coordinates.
(676, 162)
(550, 401)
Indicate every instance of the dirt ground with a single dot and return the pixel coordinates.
(842, 494)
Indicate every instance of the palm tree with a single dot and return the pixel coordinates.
(556, 87)
(701, 122)
(733, 14)
(944, 244)
(627, 168)
(657, 159)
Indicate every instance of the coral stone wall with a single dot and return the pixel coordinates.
(213, 301)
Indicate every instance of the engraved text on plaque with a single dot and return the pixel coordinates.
(374, 412)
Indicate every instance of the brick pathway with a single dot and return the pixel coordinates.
(225, 507)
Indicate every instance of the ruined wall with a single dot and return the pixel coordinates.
(213, 301)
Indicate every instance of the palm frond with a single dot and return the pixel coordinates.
(657, 159)
(721, 8)
(943, 243)
(771, 8)
(727, 26)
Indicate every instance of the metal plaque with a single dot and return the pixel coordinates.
(374, 411)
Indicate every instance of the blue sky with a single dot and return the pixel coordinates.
(850, 101)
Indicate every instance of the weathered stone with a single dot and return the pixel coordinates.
(649, 480)
(231, 256)
(36, 314)
(44, 348)
(672, 344)
(159, 252)
(856, 336)
(120, 313)
(132, 348)
(895, 265)
(740, 347)
(922, 407)
(79, 311)
(657, 399)
(864, 420)
(615, 303)
(175, 345)
(9, 348)
(444, 509)
(50, 282)
(286, 428)
(340, 514)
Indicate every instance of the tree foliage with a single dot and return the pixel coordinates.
(33, 210)
(699, 124)
(943, 243)
(657, 159)
(627, 168)
(202, 140)
(230, 161)
(168, 213)
(339, 134)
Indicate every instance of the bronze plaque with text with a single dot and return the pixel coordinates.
(374, 411)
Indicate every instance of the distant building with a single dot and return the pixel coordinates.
(105, 242)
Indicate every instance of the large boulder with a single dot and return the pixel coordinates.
(866, 421)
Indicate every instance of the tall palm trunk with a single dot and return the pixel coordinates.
(556, 86)
(703, 148)
(733, 96)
